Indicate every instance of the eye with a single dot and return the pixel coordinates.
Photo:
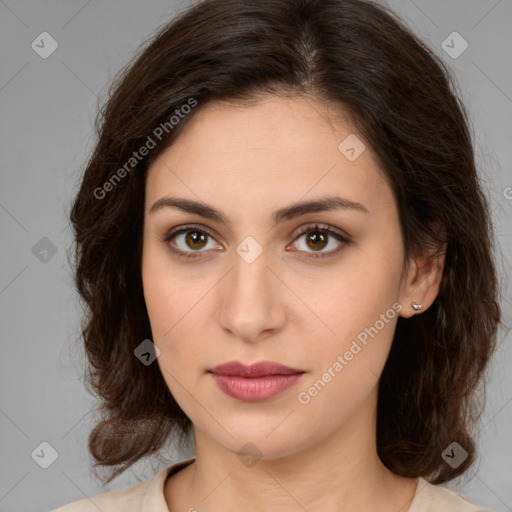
(194, 238)
(318, 237)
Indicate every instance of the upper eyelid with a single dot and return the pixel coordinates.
(186, 227)
(301, 231)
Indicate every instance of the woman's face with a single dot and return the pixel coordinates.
(255, 290)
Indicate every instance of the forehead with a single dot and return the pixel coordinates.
(277, 150)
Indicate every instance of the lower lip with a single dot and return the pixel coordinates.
(255, 389)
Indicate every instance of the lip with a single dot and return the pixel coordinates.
(260, 369)
(256, 382)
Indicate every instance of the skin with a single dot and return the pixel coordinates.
(286, 306)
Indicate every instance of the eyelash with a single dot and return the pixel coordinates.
(304, 230)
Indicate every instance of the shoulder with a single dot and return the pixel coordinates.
(434, 498)
(145, 496)
(112, 501)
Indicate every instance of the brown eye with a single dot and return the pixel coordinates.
(193, 241)
(318, 238)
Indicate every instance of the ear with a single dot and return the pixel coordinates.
(422, 280)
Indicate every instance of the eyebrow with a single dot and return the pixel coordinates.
(287, 213)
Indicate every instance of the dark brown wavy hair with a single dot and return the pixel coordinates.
(404, 103)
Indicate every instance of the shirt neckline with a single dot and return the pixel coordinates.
(154, 499)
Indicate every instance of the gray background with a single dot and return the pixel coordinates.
(47, 109)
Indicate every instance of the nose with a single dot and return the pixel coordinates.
(252, 307)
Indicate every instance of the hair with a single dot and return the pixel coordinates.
(403, 102)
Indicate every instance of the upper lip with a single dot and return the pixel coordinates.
(260, 369)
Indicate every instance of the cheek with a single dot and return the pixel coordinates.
(346, 366)
(173, 335)
(359, 291)
(359, 311)
(166, 294)
(162, 304)
(175, 304)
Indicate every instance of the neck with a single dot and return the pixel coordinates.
(341, 472)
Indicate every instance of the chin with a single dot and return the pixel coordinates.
(260, 438)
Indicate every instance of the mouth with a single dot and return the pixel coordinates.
(261, 369)
(254, 383)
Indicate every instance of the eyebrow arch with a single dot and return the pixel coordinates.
(287, 213)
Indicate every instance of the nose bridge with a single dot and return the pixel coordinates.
(250, 305)
(250, 278)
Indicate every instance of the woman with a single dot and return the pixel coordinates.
(284, 249)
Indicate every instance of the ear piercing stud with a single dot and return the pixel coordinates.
(416, 307)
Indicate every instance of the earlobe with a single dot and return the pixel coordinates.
(421, 286)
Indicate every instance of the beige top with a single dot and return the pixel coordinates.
(149, 497)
